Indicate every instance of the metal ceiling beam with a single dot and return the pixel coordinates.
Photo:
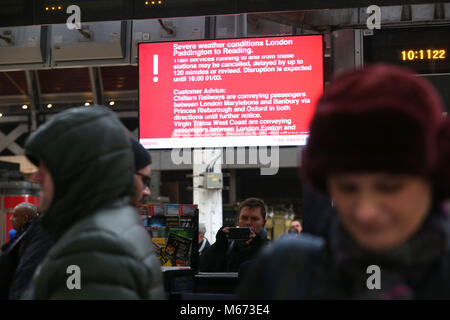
(355, 17)
(321, 18)
(38, 82)
(81, 97)
(15, 84)
(100, 84)
(122, 95)
(14, 119)
(29, 12)
(32, 88)
(7, 140)
(120, 114)
(93, 80)
(67, 97)
(11, 100)
(127, 114)
(95, 85)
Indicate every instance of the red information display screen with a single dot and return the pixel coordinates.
(229, 92)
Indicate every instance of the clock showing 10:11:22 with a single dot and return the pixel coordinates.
(424, 54)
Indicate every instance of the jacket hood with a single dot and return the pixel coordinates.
(89, 158)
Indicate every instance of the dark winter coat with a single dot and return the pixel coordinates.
(33, 248)
(95, 228)
(309, 267)
(223, 256)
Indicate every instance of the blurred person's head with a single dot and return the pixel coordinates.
(43, 177)
(381, 210)
(84, 163)
(201, 232)
(22, 213)
(295, 226)
(373, 149)
(252, 213)
(142, 162)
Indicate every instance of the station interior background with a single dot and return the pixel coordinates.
(46, 69)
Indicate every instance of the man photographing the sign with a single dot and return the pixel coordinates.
(234, 246)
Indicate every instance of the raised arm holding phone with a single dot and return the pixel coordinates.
(235, 246)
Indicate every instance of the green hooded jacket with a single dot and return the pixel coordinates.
(95, 228)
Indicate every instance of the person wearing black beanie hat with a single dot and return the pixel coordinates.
(379, 150)
(143, 170)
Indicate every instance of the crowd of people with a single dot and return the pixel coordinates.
(87, 216)
(378, 150)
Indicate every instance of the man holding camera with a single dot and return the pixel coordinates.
(235, 246)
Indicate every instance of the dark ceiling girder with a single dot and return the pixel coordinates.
(33, 92)
(96, 84)
(15, 84)
(32, 12)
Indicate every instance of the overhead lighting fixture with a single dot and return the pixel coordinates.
(87, 104)
(49, 105)
(1, 115)
(24, 107)
(111, 103)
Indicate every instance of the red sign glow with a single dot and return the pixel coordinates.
(233, 92)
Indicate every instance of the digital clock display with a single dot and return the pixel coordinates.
(423, 49)
(423, 54)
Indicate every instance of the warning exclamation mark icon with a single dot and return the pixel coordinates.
(155, 68)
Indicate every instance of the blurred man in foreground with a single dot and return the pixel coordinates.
(143, 170)
(85, 170)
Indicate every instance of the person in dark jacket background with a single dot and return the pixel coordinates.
(226, 255)
(26, 252)
(21, 218)
(85, 170)
(23, 214)
(32, 247)
(378, 149)
(143, 171)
